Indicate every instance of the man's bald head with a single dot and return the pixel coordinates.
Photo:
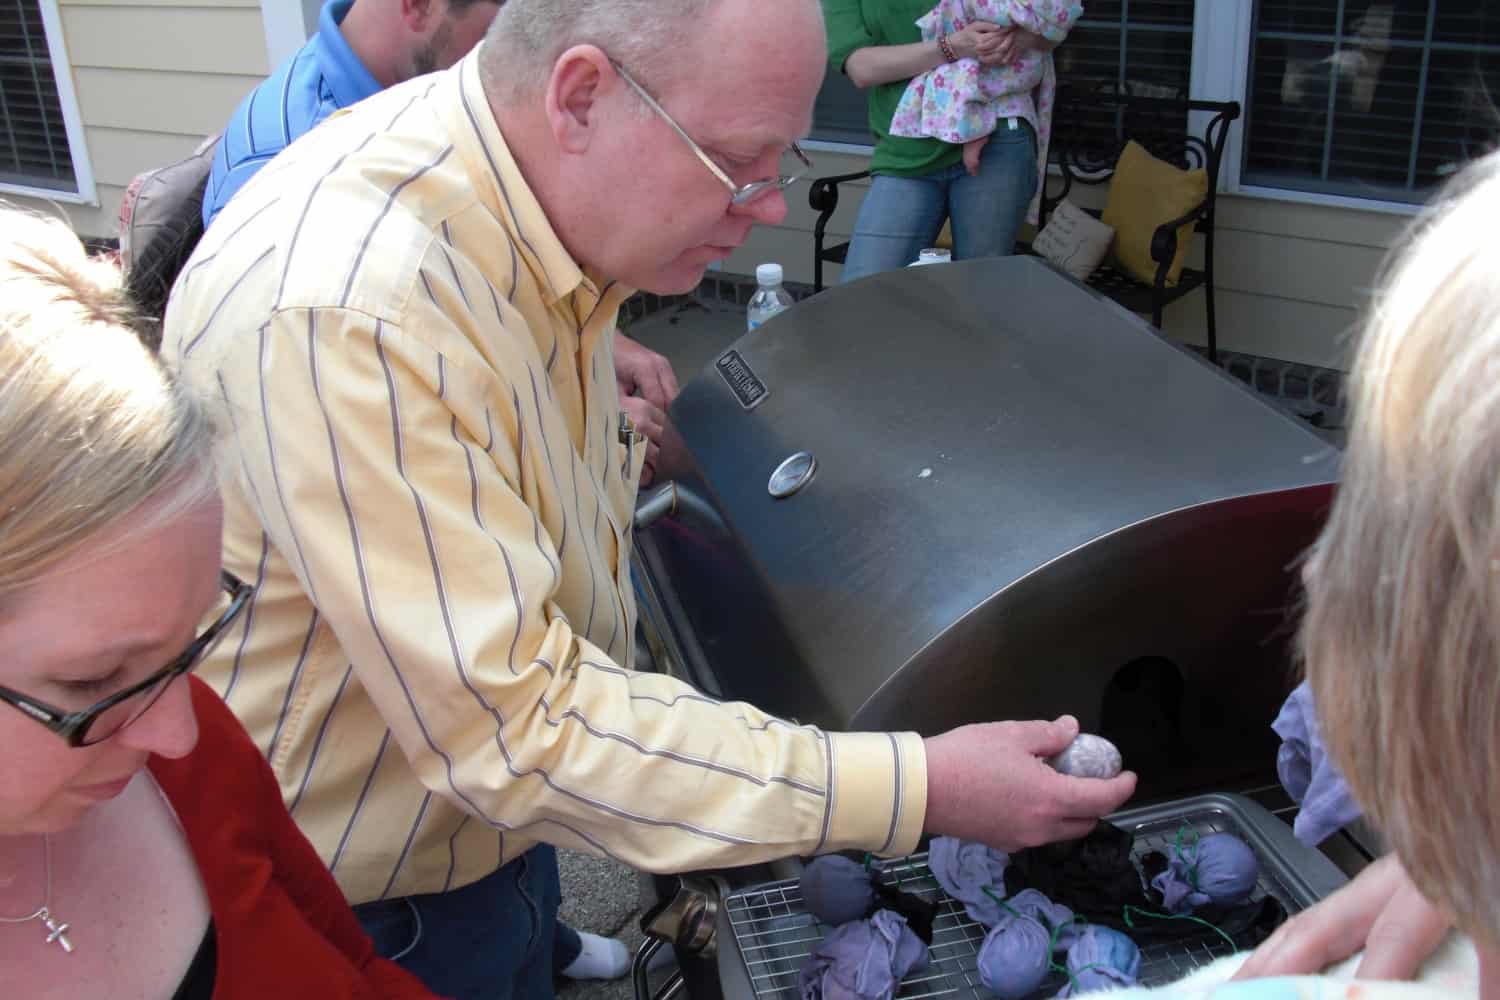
(653, 37)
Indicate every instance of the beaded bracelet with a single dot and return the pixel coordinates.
(946, 48)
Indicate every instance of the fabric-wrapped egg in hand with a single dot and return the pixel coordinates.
(837, 890)
(1088, 756)
(1219, 868)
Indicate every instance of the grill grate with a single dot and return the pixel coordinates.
(775, 934)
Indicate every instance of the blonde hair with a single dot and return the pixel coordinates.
(1401, 638)
(91, 425)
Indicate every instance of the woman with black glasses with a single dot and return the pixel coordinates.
(144, 847)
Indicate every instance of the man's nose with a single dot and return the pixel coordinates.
(169, 727)
(767, 210)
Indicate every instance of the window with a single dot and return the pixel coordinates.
(1144, 45)
(1370, 100)
(34, 147)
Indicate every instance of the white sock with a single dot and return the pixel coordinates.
(601, 958)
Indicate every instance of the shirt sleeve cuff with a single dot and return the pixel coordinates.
(878, 795)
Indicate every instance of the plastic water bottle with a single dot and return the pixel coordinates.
(932, 255)
(769, 299)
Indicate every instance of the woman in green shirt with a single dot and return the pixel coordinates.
(920, 182)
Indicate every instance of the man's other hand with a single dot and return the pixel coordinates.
(640, 371)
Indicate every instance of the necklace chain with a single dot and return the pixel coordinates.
(57, 932)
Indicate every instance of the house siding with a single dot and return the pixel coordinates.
(153, 78)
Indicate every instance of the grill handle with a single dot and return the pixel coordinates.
(643, 956)
(658, 505)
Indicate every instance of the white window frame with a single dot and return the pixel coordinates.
(67, 98)
(285, 27)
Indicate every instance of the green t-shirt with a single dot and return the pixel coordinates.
(855, 24)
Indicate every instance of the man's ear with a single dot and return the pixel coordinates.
(579, 78)
(420, 15)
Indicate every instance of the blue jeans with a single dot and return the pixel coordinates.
(494, 939)
(902, 215)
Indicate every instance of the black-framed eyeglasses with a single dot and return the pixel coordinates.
(108, 717)
(739, 194)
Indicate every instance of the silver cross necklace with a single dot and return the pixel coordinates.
(57, 931)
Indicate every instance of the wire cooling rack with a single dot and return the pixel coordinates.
(775, 934)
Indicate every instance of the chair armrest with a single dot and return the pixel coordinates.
(1164, 240)
(823, 194)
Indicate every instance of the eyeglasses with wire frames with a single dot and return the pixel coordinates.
(739, 194)
(108, 717)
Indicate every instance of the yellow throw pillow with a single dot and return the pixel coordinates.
(1144, 193)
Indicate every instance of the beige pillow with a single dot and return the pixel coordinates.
(1073, 240)
(1144, 193)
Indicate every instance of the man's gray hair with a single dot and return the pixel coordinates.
(527, 36)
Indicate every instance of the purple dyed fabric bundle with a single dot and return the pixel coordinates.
(965, 869)
(837, 890)
(1219, 868)
(1101, 959)
(1308, 774)
(1017, 951)
(863, 960)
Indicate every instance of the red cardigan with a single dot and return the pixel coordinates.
(282, 926)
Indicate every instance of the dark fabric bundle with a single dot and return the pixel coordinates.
(1092, 876)
(838, 890)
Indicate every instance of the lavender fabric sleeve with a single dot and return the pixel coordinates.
(965, 869)
(1307, 772)
(863, 960)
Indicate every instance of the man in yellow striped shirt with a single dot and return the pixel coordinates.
(405, 321)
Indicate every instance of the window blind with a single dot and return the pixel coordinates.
(1378, 100)
(33, 140)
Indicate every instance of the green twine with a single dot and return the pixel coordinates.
(1192, 865)
(990, 892)
(1052, 950)
(1176, 916)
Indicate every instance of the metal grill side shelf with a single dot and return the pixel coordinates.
(773, 934)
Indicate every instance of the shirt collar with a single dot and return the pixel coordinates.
(503, 189)
(346, 76)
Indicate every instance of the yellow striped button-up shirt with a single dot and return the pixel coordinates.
(427, 486)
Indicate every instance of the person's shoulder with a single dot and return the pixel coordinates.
(282, 107)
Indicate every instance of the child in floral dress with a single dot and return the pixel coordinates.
(963, 102)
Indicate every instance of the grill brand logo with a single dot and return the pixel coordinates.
(741, 379)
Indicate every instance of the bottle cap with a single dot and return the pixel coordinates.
(768, 274)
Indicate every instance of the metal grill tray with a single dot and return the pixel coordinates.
(772, 933)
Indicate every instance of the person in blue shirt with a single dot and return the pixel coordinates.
(360, 49)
